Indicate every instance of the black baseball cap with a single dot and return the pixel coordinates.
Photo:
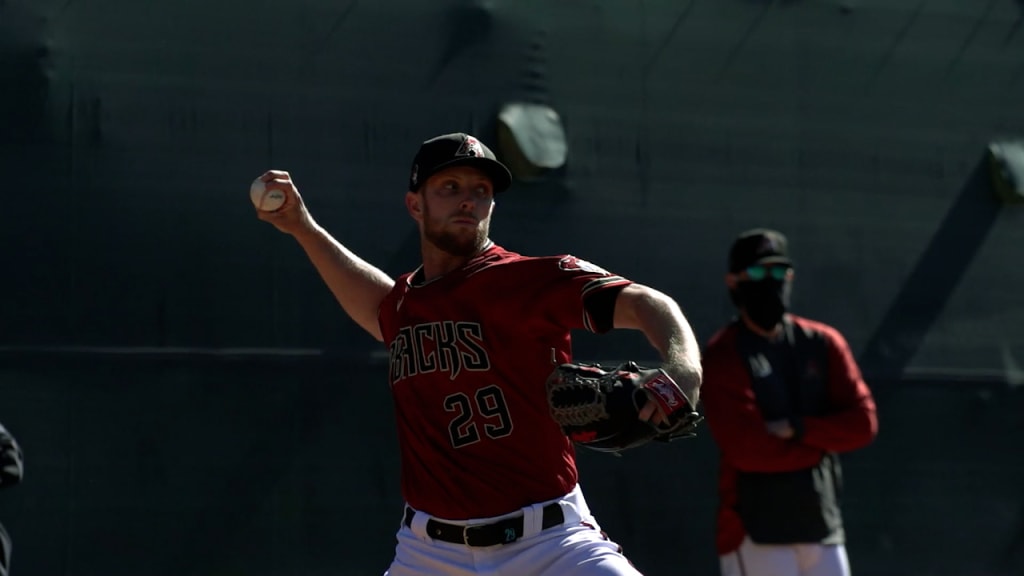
(758, 246)
(457, 149)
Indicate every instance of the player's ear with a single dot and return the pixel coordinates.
(414, 204)
(730, 281)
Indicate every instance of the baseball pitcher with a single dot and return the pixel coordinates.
(480, 362)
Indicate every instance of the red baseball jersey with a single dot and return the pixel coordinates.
(470, 353)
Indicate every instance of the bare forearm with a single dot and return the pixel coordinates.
(356, 284)
(668, 331)
(662, 321)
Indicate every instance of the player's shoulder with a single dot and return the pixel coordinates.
(400, 287)
(404, 278)
(558, 262)
(826, 331)
(495, 258)
(403, 281)
(565, 263)
(501, 255)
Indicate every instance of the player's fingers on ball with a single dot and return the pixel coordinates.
(647, 411)
(284, 186)
(290, 199)
(274, 175)
(280, 184)
(287, 188)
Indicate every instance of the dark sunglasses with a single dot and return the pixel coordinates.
(758, 272)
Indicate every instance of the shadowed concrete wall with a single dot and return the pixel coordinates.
(233, 465)
(129, 132)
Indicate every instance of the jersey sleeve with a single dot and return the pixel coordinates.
(852, 422)
(735, 420)
(387, 308)
(575, 294)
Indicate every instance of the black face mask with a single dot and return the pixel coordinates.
(765, 302)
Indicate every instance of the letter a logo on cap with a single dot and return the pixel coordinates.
(470, 147)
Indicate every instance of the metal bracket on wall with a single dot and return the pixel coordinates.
(1006, 163)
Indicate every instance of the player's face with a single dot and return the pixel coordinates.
(456, 210)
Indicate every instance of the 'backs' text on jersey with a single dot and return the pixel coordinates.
(469, 356)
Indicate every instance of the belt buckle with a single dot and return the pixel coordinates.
(465, 534)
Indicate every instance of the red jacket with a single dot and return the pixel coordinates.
(739, 431)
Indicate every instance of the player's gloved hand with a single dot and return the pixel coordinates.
(292, 217)
(687, 378)
(610, 410)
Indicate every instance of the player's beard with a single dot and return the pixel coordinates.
(460, 242)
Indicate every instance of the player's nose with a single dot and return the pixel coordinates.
(468, 203)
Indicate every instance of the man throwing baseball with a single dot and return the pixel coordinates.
(489, 478)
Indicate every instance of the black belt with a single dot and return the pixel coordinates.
(500, 532)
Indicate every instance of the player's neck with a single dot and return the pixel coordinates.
(437, 262)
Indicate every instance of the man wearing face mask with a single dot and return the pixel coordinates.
(783, 398)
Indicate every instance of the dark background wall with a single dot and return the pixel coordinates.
(271, 466)
(190, 396)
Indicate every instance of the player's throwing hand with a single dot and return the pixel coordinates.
(292, 217)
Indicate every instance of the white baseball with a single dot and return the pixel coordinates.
(263, 199)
